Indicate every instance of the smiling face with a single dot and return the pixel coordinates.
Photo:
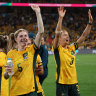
(64, 38)
(22, 38)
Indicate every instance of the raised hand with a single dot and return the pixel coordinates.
(90, 16)
(35, 8)
(61, 11)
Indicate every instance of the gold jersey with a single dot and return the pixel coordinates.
(65, 62)
(4, 88)
(23, 81)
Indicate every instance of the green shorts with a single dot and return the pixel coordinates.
(67, 90)
(30, 94)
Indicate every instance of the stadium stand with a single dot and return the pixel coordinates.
(75, 21)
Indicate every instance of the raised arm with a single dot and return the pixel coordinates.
(61, 13)
(87, 29)
(40, 24)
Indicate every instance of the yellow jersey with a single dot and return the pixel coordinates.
(4, 88)
(23, 80)
(65, 63)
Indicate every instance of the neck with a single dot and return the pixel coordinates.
(65, 47)
(21, 48)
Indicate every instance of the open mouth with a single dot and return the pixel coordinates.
(67, 40)
(24, 40)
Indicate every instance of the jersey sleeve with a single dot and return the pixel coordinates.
(56, 50)
(10, 54)
(2, 60)
(33, 48)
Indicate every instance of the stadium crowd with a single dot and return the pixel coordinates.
(75, 22)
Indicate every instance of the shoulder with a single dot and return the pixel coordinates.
(32, 47)
(11, 52)
(73, 46)
(58, 48)
(2, 54)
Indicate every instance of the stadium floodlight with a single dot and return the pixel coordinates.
(47, 4)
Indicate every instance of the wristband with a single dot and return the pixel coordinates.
(58, 32)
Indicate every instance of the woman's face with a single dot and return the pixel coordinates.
(22, 38)
(64, 38)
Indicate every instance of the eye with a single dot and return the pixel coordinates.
(21, 36)
(25, 35)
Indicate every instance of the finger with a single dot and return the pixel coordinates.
(89, 12)
(58, 9)
(62, 7)
(64, 11)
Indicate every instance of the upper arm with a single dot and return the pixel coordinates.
(56, 41)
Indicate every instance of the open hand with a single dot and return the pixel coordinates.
(61, 11)
(36, 8)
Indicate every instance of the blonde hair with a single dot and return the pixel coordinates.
(18, 31)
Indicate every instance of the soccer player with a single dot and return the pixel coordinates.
(3, 81)
(66, 77)
(44, 57)
(23, 81)
(39, 68)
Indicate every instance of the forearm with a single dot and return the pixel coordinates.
(40, 22)
(57, 33)
(86, 31)
(84, 34)
(40, 29)
(37, 39)
(59, 25)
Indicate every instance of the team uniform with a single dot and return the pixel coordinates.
(4, 84)
(40, 90)
(24, 81)
(66, 76)
(44, 57)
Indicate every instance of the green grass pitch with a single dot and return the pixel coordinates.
(86, 73)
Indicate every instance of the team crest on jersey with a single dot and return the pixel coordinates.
(25, 55)
(72, 52)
